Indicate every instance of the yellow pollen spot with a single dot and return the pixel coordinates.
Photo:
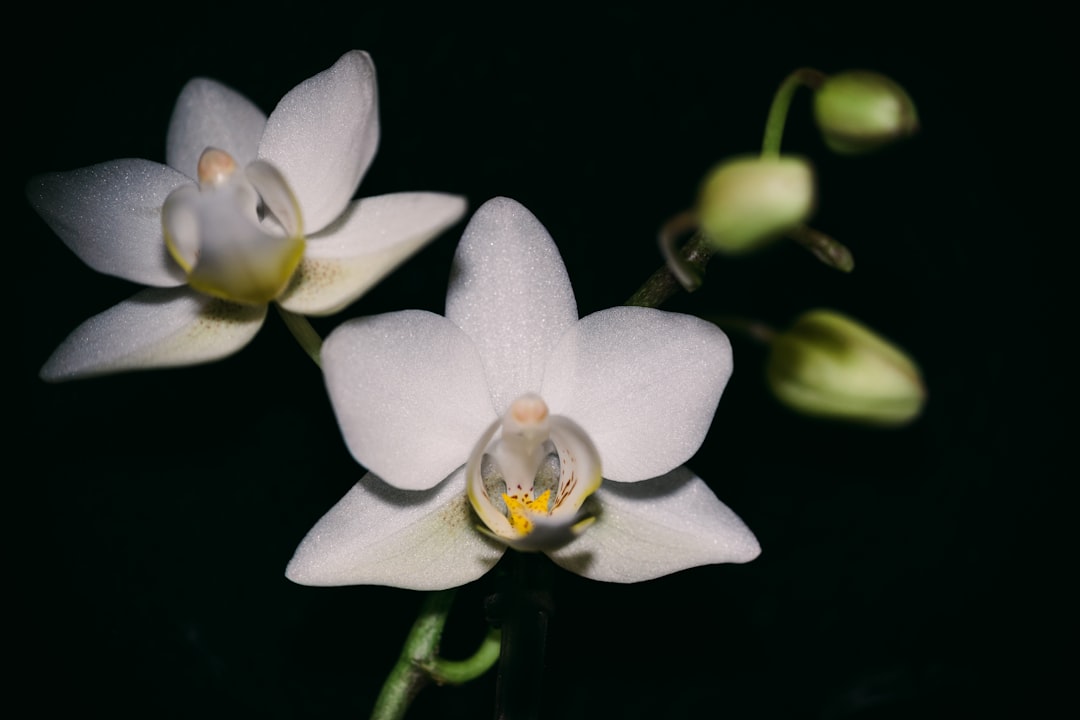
(520, 510)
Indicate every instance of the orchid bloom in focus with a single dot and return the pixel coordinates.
(512, 423)
(249, 209)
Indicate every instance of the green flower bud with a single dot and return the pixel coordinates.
(859, 111)
(829, 365)
(749, 201)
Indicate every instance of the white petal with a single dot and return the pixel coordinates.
(155, 328)
(509, 291)
(372, 238)
(650, 529)
(323, 135)
(209, 114)
(281, 205)
(409, 394)
(644, 384)
(377, 535)
(110, 216)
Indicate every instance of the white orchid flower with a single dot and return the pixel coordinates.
(488, 429)
(249, 209)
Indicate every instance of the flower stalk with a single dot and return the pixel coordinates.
(305, 334)
(824, 247)
(778, 111)
(522, 610)
(684, 270)
(419, 663)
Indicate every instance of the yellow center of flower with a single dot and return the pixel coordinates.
(529, 474)
(519, 511)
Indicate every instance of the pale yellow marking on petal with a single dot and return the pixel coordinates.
(311, 276)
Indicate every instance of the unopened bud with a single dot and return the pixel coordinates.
(858, 111)
(747, 202)
(829, 365)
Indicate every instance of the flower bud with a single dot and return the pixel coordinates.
(829, 365)
(858, 111)
(747, 202)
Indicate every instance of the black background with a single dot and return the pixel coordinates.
(911, 573)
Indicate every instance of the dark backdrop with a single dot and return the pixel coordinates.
(910, 573)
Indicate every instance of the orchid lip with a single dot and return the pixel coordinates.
(238, 235)
(529, 474)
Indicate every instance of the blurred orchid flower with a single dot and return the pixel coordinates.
(249, 210)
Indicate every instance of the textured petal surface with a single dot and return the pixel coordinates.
(323, 135)
(510, 292)
(409, 394)
(110, 216)
(372, 238)
(155, 328)
(643, 383)
(209, 114)
(378, 535)
(650, 529)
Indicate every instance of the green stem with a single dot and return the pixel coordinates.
(826, 249)
(419, 663)
(408, 677)
(774, 124)
(456, 672)
(688, 275)
(301, 329)
(662, 284)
